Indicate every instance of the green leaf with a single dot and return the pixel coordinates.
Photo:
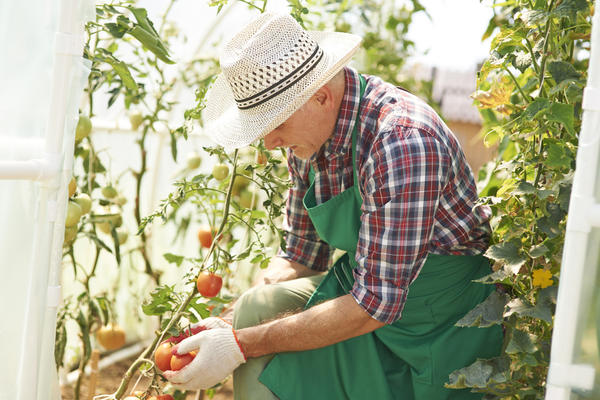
(556, 156)
(122, 70)
(507, 252)
(115, 237)
(104, 307)
(532, 18)
(541, 310)
(521, 342)
(84, 328)
(561, 70)
(152, 43)
(536, 107)
(173, 258)
(487, 313)
(564, 197)
(549, 224)
(538, 251)
(141, 16)
(563, 113)
(522, 60)
(200, 307)
(500, 276)
(117, 31)
(524, 188)
(162, 300)
(570, 8)
(481, 374)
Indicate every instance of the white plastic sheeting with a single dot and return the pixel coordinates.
(570, 376)
(42, 75)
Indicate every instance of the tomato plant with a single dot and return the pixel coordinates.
(242, 197)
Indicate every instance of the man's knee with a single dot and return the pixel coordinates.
(266, 302)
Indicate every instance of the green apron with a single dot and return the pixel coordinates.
(409, 359)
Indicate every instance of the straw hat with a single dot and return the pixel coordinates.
(269, 70)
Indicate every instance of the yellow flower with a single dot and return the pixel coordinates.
(542, 278)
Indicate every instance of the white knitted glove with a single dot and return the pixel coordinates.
(219, 353)
(212, 323)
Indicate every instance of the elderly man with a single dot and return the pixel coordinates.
(376, 174)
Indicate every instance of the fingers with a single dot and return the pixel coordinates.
(189, 344)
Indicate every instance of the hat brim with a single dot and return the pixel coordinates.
(233, 128)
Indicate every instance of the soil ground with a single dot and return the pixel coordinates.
(109, 379)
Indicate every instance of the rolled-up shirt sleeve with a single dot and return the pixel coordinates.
(303, 244)
(401, 182)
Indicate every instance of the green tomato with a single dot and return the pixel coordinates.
(248, 199)
(109, 221)
(120, 200)
(122, 235)
(73, 214)
(84, 127)
(109, 192)
(135, 119)
(72, 187)
(84, 202)
(220, 171)
(240, 183)
(70, 234)
(193, 160)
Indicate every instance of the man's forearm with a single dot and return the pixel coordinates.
(324, 324)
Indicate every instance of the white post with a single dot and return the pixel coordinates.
(33, 379)
(580, 257)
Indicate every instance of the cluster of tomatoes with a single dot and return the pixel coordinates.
(167, 360)
(140, 395)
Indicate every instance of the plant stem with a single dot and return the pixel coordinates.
(544, 51)
(525, 97)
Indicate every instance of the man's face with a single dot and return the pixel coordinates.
(304, 132)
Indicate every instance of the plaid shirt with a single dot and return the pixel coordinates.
(418, 194)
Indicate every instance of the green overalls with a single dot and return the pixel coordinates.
(409, 359)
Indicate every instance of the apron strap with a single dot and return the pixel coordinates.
(311, 172)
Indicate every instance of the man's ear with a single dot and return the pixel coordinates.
(324, 96)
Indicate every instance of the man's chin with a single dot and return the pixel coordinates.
(301, 153)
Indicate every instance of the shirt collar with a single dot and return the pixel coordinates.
(339, 142)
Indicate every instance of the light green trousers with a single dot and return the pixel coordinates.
(261, 304)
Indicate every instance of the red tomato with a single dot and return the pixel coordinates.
(209, 284)
(185, 334)
(161, 397)
(180, 361)
(205, 236)
(162, 356)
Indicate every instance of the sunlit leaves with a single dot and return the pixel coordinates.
(487, 313)
(538, 47)
(481, 374)
(508, 253)
(521, 342)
